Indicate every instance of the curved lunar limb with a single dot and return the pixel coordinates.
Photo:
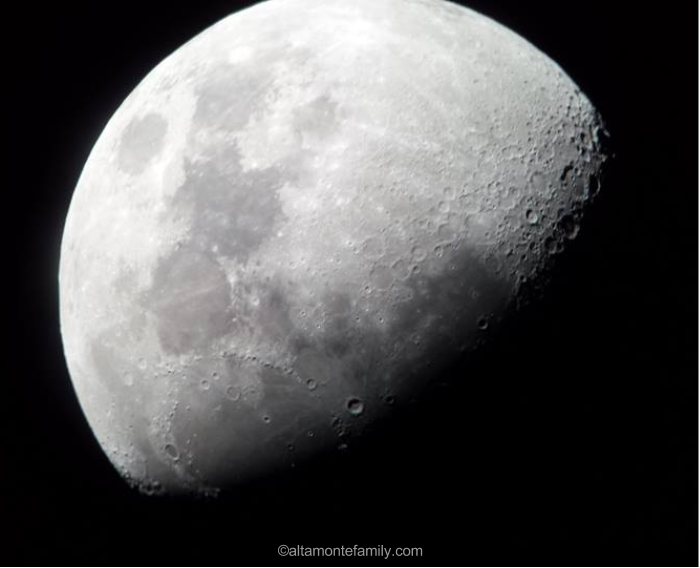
(298, 214)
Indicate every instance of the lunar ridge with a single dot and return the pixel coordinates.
(297, 215)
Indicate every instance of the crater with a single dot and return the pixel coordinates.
(444, 309)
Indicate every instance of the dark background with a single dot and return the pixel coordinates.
(572, 440)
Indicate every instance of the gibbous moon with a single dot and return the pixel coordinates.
(298, 216)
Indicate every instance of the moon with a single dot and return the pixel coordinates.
(299, 217)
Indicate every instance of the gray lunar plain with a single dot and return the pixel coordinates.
(301, 213)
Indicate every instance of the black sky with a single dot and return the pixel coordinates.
(572, 440)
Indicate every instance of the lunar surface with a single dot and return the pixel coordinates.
(298, 216)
